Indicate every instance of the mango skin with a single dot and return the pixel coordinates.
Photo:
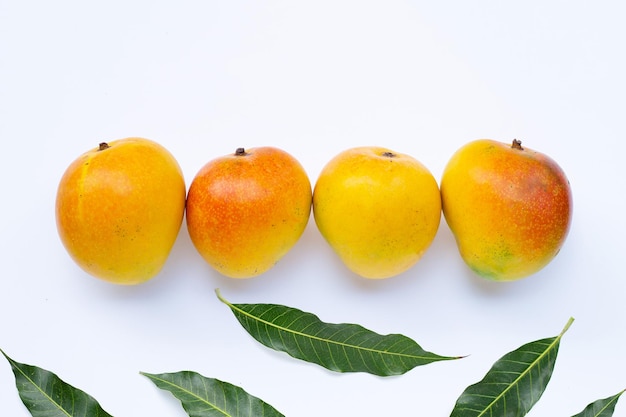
(509, 209)
(119, 209)
(245, 211)
(379, 210)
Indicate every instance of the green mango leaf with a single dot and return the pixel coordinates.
(514, 383)
(601, 408)
(45, 395)
(206, 397)
(337, 347)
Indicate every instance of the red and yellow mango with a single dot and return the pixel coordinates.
(509, 208)
(246, 210)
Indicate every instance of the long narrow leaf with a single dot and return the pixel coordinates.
(45, 395)
(207, 397)
(514, 383)
(601, 408)
(338, 347)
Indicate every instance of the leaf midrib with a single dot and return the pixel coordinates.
(344, 345)
(14, 364)
(532, 364)
(186, 391)
(610, 403)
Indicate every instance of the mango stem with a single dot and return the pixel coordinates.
(517, 144)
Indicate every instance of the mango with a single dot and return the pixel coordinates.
(378, 209)
(509, 208)
(119, 208)
(246, 210)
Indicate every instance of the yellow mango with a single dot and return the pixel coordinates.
(379, 210)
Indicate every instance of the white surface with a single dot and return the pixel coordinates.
(203, 78)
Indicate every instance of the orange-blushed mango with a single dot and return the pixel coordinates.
(119, 208)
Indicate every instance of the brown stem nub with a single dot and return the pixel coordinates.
(102, 146)
(388, 154)
(240, 152)
(517, 144)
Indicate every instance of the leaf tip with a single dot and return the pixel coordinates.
(7, 357)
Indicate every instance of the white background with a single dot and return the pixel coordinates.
(203, 78)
